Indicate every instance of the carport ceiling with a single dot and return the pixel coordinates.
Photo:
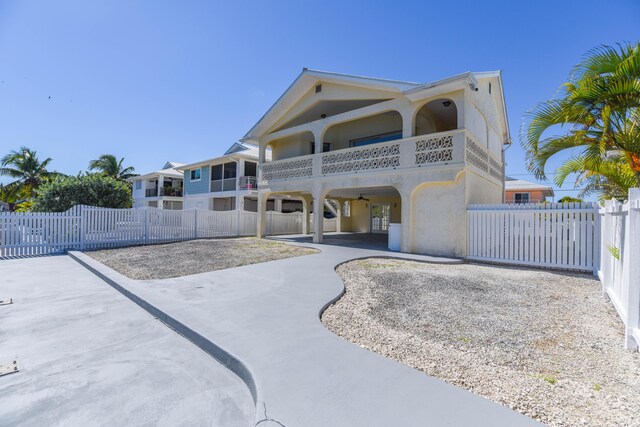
(353, 193)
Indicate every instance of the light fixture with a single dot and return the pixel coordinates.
(323, 116)
(447, 103)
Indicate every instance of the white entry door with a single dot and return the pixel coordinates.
(380, 217)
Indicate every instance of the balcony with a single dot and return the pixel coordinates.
(228, 184)
(457, 147)
(164, 192)
(171, 192)
(248, 183)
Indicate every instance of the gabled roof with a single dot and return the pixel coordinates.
(513, 184)
(169, 169)
(308, 78)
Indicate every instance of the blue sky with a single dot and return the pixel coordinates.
(163, 80)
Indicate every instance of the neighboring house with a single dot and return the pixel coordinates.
(519, 191)
(160, 189)
(5, 207)
(386, 151)
(229, 182)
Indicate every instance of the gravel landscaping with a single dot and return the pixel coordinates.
(194, 256)
(545, 344)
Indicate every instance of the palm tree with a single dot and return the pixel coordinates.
(600, 105)
(29, 172)
(109, 165)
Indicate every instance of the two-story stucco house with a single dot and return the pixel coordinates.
(229, 182)
(160, 189)
(386, 151)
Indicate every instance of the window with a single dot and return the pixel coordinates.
(195, 174)
(250, 169)
(138, 185)
(521, 198)
(326, 147)
(374, 139)
(223, 171)
(318, 88)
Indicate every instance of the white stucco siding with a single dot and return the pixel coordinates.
(486, 104)
(339, 135)
(439, 218)
(476, 124)
(193, 202)
(480, 190)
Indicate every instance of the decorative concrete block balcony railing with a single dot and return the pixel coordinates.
(439, 149)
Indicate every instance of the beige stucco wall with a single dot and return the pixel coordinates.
(360, 219)
(439, 218)
(340, 135)
(292, 146)
(480, 190)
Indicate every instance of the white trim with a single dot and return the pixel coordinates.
(191, 171)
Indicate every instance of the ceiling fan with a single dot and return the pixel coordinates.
(361, 197)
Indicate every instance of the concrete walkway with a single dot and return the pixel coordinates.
(88, 356)
(266, 316)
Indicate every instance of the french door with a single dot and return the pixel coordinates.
(380, 217)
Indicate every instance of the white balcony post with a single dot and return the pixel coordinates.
(407, 121)
(277, 205)
(160, 189)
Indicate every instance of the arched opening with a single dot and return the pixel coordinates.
(439, 115)
(368, 130)
(290, 146)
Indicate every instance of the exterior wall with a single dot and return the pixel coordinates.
(480, 190)
(340, 135)
(196, 202)
(293, 146)
(360, 219)
(197, 187)
(482, 116)
(438, 215)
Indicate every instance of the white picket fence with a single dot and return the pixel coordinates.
(619, 268)
(85, 227)
(552, 235)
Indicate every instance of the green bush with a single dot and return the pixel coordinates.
(92, 190)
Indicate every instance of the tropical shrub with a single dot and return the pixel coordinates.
(92, 189)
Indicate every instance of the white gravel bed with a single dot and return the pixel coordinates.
(546, 344)
(194, 256)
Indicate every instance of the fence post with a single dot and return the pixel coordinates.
(81, 222)
(238, 222)
(632, 265)
(146, 225)
(195, 223)
(597, 244)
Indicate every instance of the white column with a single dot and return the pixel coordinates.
(277, 205)
(407, 121)
(406, 244)
(339, 216)
(160, 189)
(306, 205)
(318, 218)
(262, 214)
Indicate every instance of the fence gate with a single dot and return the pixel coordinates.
(553, 235)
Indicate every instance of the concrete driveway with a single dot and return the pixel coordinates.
(89, 356)
(266, 316)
